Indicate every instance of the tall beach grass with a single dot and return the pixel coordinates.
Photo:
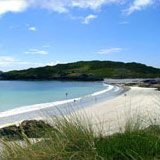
(75, 139)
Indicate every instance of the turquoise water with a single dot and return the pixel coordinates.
(15, 94)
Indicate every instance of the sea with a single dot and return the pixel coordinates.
(23, 99)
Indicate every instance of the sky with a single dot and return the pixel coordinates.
(36, 33)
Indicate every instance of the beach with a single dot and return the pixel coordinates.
(102, 109)
(58, 108)
(112, 115)
(107, 116)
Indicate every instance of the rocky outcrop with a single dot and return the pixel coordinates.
(10, 132)
(30, 128)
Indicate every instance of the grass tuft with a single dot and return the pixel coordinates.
(74, 139)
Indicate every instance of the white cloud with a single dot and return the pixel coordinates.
(60, 6)
(12, 6)
(138, 5)
(92, 4)
(89, 18)
(6, 59)
(63, 6)
(33, 29)
(36, 52)
(109, 51)
(11, 63)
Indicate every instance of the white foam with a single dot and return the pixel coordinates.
(116, 89)
(35, 107)
(103, 91)
(25, 109)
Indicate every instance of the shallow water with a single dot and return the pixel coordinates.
(15, 94)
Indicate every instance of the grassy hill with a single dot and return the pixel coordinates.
(85, 70)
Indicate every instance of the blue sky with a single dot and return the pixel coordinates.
(46, 32)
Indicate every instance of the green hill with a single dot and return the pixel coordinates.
(85, 70)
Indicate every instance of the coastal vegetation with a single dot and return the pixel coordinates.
(74, 139)
(85, 71)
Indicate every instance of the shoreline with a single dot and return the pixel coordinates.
(112, 115)
(51, 109)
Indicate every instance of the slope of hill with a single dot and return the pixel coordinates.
(85, 70)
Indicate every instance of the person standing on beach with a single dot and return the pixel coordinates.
(66, 95)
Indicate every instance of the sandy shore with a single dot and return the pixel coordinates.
(110, 115)
(58, 108)
(113, 114)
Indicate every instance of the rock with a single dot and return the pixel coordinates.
(31, 128)
(10, 132)
(34, 128)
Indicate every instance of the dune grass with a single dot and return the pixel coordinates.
(76, 140)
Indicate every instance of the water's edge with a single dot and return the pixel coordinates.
(59, 107)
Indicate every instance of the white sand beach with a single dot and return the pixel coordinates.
(113, 114)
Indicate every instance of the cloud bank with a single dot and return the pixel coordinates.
(10, 63)
(63, 6)
(60, 6)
